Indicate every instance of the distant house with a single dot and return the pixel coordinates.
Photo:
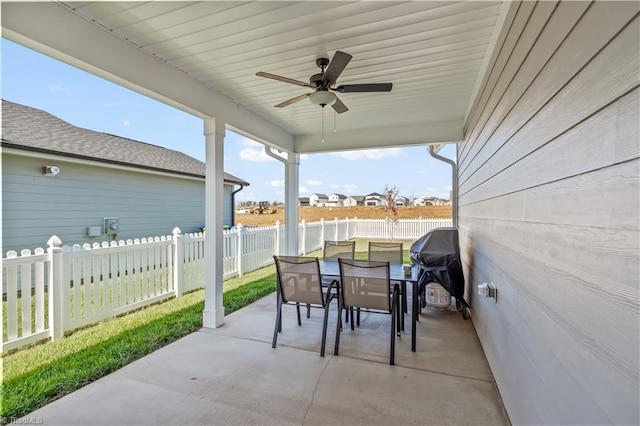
(430, 201)
(402, 201)
(354, 200)
(374, 199)
(318, 200)
(58, 179)
(336, 200)
(303, 201)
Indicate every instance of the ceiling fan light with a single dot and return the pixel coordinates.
(322, 98)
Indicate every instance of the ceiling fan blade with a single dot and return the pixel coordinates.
(339, 107)
(292, 100)
(283, 79)
(335, 68)
(373, 87)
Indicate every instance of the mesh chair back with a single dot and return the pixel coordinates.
(386, 252)
(333, 250)
(365, 284)
(299, 279)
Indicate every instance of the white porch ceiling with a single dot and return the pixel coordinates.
(203, 57)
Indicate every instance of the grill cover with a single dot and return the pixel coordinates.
(437, 253)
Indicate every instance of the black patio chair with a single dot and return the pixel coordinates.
(299, 281)
(365, 285)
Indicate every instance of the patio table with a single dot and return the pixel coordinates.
(330, 269)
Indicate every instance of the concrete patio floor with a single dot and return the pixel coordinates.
(231, 375)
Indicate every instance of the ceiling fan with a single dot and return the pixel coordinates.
(323, 84)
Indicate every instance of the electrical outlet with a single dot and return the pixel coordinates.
(488, 290)
(493, 292)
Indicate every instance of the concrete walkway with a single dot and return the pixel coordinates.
(231, 375)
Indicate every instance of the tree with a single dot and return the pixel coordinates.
(390, 208)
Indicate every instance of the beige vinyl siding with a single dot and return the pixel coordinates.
(549, 212)
(35, 207)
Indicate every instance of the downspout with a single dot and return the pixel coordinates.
(454, 183)
(233, 204)
(267, 150)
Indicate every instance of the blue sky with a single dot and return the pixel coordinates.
(84, 100)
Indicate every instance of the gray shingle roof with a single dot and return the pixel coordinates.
(32, 129)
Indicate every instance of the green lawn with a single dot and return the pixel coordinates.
(34, 376)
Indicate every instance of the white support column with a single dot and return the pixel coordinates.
(291, 183)
(213, 314)
(291, 191)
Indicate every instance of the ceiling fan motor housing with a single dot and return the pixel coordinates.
(316, 80)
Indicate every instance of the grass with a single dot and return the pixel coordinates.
(36, 376)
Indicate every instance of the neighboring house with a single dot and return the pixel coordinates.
(93, 176)
(303, 201)
(430, 201)
(336, 200)
(374, 199)
(402, 201)
(354, 200)
(318, 200)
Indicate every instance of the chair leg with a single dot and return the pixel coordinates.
(298, 312)
(395, 312)
(392, 350)
(399, 313)
(278, 326)
(358, 317)
(338, 327)
(404, 297)
(351, 314)
(324, 329)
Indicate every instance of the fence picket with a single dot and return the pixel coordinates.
(25, 292)
(12, 298)
(39, 292)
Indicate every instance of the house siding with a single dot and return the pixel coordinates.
(548, 212)
(35, 207)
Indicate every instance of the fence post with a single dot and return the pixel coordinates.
(347, 230)
(304, 234)
(336, 231)
(277, 244)
(355, 228)
(239, 229)
(178, 261)
(56, 274)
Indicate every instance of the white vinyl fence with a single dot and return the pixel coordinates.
(64, 288)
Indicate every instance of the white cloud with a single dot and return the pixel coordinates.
(369, 154)
(254, 155)
(302, 190)
(304, 156)
(254, 151)
(275, 183)
(314, 182)
(55, 88)
(350, 188)
(126, 123)
(250, 143)
(334, 186)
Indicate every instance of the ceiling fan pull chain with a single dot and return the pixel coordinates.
(322, 123)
